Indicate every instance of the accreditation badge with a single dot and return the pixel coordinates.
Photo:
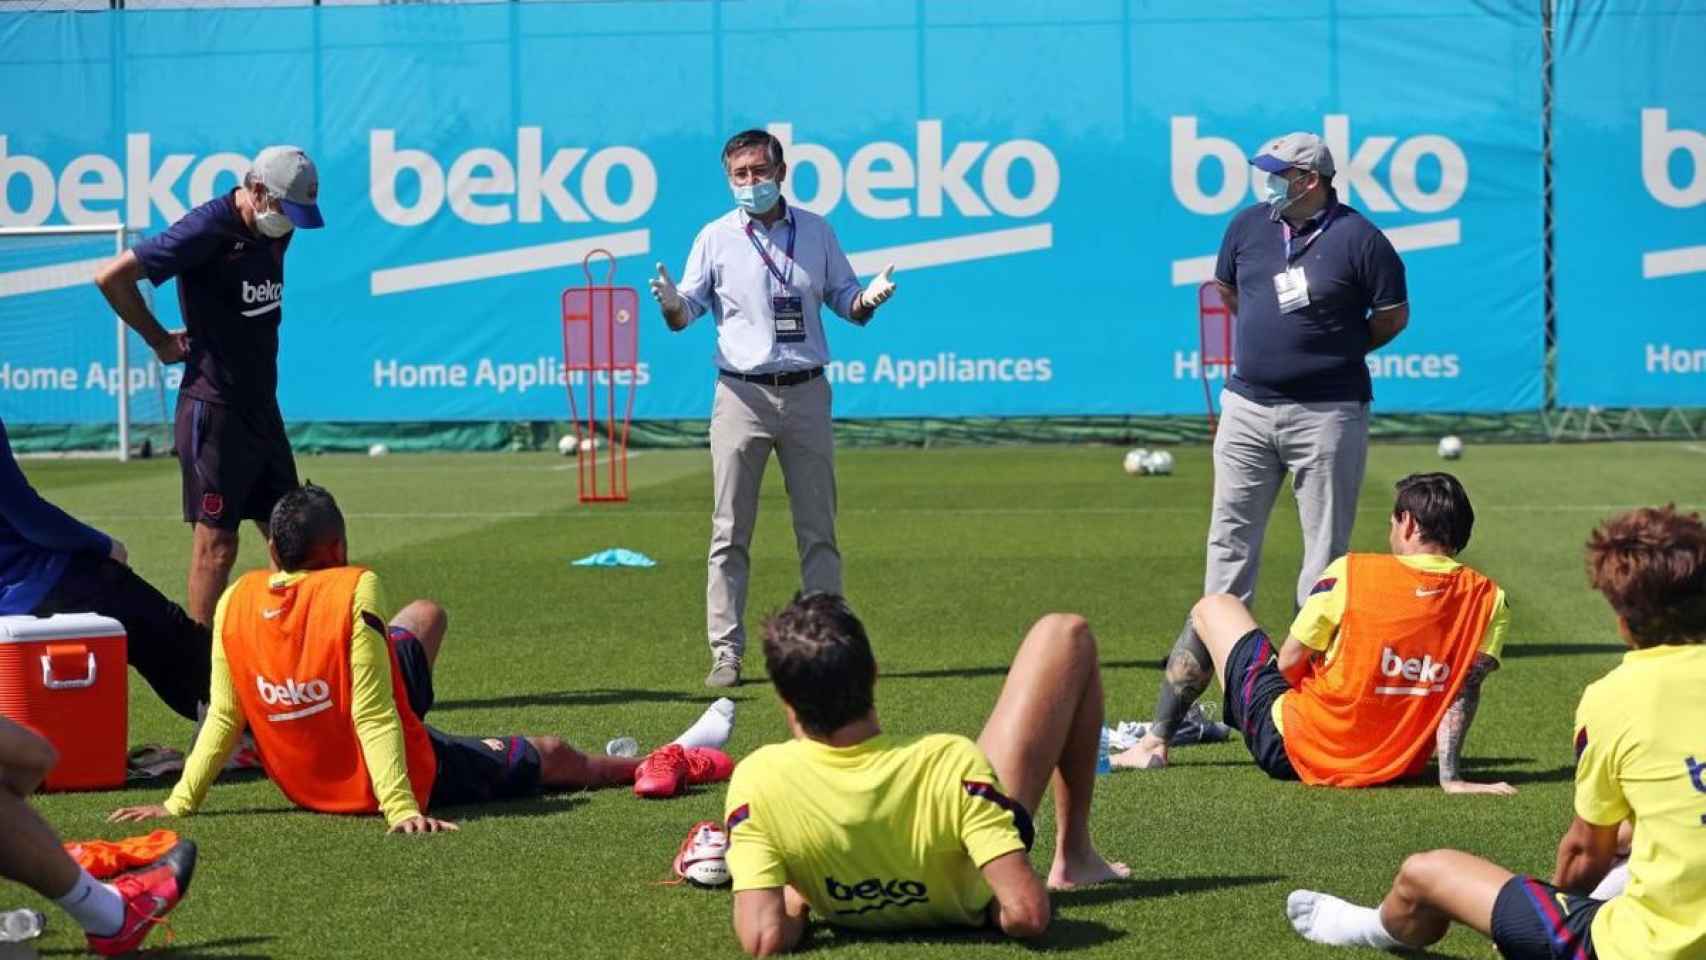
(790, 319)
(1293, 290)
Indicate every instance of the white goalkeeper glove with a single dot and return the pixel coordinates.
(880, 289)
(664, 292)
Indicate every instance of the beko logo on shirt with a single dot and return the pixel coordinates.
(1660, 142)
(874, 894)
(268, 293)
(1356, 181)
(312, 695)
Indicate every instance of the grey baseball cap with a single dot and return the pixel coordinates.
(289, 175)
(1304, 151)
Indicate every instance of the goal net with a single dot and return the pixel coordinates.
(72, 375)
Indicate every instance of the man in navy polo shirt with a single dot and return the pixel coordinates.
(228, 258)
(1314, 286)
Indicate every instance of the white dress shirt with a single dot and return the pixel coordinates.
(725, 275)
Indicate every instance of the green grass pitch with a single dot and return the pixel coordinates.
(950, 555)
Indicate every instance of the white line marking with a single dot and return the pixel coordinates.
(54, 276)
(972, 246)
(503, 263)
(1673, 263)
(266, 309)
(299, 714)
(1417, 236)
(572, 514)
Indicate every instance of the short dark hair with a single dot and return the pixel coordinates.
(754, 138)
(1440, 507)
(1650, 564)
(302, 521)
(821, 662)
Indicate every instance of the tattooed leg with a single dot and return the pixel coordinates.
(1189, 672)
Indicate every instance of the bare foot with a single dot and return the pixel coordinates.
(1084, 870)
(1150, 753)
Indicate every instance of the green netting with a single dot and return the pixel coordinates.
(1535, 427)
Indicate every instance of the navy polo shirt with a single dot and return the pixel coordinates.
(231, 292)
(1314, 354)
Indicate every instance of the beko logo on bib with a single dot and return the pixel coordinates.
(312, 696)
(929, 179)
(1426, 173)
(1423, 670)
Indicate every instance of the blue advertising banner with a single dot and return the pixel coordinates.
(1052, 188)
(1630, 202)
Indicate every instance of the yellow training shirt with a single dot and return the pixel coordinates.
(374, 709)
(1641, 752)
(1317, 624)
(890, 833)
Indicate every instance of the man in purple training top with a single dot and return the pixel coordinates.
(228, 258)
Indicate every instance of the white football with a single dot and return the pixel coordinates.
(378, 450)
(589, 444)
(566, 445)
(1450, 447)
(1160, 462)
(707, 873)
(1134, 460)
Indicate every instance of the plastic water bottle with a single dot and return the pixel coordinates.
(622, 747)
(16, 926)
(1102, 763)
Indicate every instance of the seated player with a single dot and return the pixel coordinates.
(879, 831)
(334, 697)
(1639, 754)
(50, 563)
(1384, 662)
(115, 917)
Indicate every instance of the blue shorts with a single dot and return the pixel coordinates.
(1537, 921)
(1253, 683)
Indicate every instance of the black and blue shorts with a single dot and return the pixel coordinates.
(1533, 920)
(1253, 683)
(470, 769)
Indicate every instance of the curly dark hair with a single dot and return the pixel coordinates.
(1650, 564)
(302, 520)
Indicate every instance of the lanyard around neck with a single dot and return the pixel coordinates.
(793, 232)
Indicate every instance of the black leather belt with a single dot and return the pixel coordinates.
(786, 379)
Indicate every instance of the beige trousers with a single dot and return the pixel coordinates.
(748, 420)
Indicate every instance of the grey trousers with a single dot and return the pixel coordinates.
(1325, 448)
(748, 420)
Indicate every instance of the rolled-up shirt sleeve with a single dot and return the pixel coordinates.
(698, 277)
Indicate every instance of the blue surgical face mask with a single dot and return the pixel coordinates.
(757, 197)
(1276, 193)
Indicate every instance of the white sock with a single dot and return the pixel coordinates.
(1324, 918)
(1614, 882)
(96, 907)
(713, 727)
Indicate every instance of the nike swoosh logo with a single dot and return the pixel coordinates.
(271, 614)
(1429, 593)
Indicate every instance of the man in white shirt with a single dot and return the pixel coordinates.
(764, 271)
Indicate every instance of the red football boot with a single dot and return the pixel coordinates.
(708, 765)
(149, 894)
(662, 773)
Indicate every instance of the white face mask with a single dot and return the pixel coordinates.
(1276, 193)
(271, 223)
